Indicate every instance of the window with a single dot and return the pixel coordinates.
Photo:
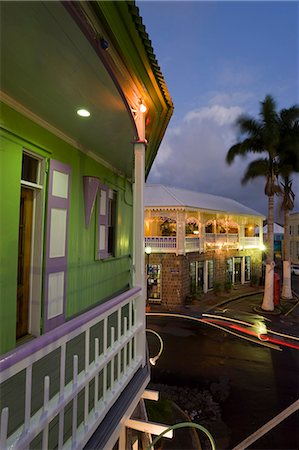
(30, 169)
(111, 222)
(229, 269)
(106, 222)
(247, 268)
(210, 273)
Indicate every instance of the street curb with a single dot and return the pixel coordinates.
(223, 302)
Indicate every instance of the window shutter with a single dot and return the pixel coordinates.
(102, 251)
(90, 186)
(56, 244)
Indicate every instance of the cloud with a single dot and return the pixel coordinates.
(221, 115)
(192, 156)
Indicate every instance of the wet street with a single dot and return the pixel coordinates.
(260, 381)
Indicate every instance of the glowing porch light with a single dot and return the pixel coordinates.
(142, 107)
(262, 247)
(82, 112)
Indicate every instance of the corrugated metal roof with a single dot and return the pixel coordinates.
(150, 52)
(157, 195)
(277, 229)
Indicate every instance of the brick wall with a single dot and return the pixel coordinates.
(175, 271)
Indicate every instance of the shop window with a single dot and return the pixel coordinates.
(229, 270)
(247, 268)
(210, 264)
(154, 282)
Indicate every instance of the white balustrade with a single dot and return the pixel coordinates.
(123, 341)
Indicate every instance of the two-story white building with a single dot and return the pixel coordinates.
(196, 241)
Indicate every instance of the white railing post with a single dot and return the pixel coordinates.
(75, 400)
(61, 391)
(126, 345)
(112, 360)
(96, 380)
(28, 392)
(119, 339)
(45, 410)
(3, 428)
(86, 390)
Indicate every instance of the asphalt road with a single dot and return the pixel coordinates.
(262, 381)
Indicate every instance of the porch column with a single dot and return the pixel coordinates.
(180, 233)
(138, 239)
(138, 227)
(243, 270)
(241, 236)
(205, 277)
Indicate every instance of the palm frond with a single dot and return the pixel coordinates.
(257, 168)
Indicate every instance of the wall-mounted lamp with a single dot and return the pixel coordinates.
(142, 107)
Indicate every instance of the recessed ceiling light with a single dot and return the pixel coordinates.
(83, 112)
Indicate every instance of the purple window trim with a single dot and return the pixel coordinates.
(25, 350)
(59, 264)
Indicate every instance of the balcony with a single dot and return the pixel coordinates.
(57, 389)
(211, 241)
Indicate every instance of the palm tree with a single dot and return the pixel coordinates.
(288, 154)
(262, 136)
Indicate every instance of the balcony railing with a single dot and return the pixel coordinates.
(161, 243)
(250, 242)
(57, 388)
(168, 244)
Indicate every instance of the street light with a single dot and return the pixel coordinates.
(148, 251)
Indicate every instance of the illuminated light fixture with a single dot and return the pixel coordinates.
(148, 250)
(195, 232)
(83, 112)
(262, 247)
(142, 107)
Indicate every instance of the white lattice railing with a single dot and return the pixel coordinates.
(161, 243)
(193, 244)
(250, 242)
(96, 353)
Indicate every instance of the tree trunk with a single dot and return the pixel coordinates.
(287, 283)
(268, 304)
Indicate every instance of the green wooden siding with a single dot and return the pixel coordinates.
(89, 281)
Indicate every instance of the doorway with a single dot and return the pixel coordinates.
(237, 270)
(24, 261)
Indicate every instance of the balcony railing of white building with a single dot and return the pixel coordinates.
(57, 388)
(168, 244)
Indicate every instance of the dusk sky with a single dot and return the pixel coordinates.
(220, 59)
